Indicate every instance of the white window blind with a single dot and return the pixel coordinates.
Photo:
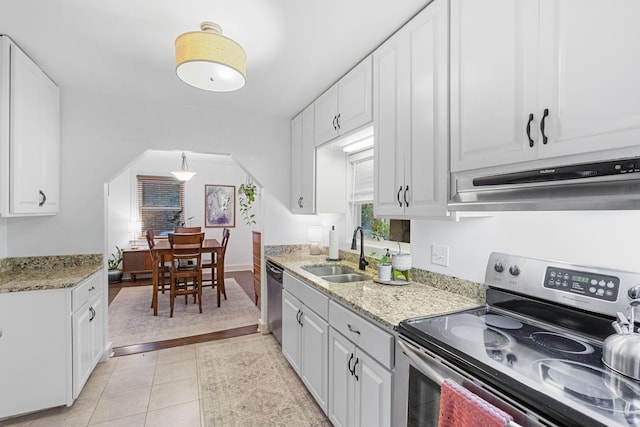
(160, 203)
(362, 176)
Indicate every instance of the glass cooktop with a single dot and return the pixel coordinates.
(557, 368)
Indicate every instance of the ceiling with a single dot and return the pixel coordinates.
(295, 48)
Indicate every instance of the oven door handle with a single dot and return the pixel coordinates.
(412, 353)
(421, 365)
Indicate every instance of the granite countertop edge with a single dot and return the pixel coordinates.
(388, 305)
(47, 272)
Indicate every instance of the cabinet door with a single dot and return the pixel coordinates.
(493, 82)
(291, 330)
(326, 116)
(97, 329)
(391, 123)
(373, 393)
(35, 332)
(82, 348)
(426, 175)
(341, 385)
(303, 163)
(34, 149)
(50, 132)
(88, 341)
(314, 353)
(589, 78)
(354, 98)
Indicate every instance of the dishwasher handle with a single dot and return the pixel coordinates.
(274, 271)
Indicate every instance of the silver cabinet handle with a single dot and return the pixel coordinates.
(93, 314)
(300, 202)
(92, 288)
(338, 121)
(43, 198)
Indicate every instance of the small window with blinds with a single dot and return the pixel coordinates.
(160, 203)
(361, 203)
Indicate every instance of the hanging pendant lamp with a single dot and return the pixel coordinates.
(184, 174)
(210, 61)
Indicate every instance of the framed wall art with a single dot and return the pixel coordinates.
(219, 206)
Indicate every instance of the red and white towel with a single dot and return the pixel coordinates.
(461, 408)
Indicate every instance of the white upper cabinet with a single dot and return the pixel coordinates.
(411, 82)
(541, 79)
(303, 163)
(346, 105)
(589, 67)
(29, 136)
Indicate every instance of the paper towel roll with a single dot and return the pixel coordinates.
(333, 243)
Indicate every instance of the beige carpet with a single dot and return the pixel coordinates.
(246, 381)
(131, 320)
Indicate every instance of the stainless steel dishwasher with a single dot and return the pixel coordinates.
(274, 300)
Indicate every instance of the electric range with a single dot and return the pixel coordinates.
(538, 340)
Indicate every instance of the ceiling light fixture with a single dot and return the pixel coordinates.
(184, 174)
(210, 61)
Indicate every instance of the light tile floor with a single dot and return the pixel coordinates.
(154, 389)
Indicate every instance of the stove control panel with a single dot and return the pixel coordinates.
(592, 285)
(593, 289)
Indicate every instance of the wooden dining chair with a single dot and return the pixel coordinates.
(187, 229)
(212, 264)
(163, 270)
(186, 267)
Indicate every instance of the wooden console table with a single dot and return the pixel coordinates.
(136, 261)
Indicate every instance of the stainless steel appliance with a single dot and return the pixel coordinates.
(274, 300)
(534, 350)
(608, 184)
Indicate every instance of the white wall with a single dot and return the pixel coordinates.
(102, 135)
(605, 239)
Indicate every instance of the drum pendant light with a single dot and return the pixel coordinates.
(210, 61)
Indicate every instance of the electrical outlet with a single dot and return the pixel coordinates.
(440, 255)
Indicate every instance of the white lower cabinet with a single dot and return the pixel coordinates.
(50, 342)
(346, 362)
(359, 387)
(305, 336)
(88, 331)
(35, 338)
(359, 384)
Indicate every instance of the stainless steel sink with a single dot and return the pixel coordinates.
(328, 270)
(335, 273)
(346, 278)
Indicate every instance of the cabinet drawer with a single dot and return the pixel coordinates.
(313, 299)
(85, 291)
(369, 337)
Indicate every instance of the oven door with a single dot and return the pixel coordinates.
(419, 374)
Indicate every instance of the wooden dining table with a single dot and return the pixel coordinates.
(162, 252)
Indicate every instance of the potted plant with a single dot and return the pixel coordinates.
(115, 273)
(247, 195)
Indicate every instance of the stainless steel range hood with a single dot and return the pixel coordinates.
(606, 185)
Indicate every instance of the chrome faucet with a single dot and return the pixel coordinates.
(363, 262)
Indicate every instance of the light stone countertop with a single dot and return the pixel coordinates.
(51, 272)
(386, 304)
